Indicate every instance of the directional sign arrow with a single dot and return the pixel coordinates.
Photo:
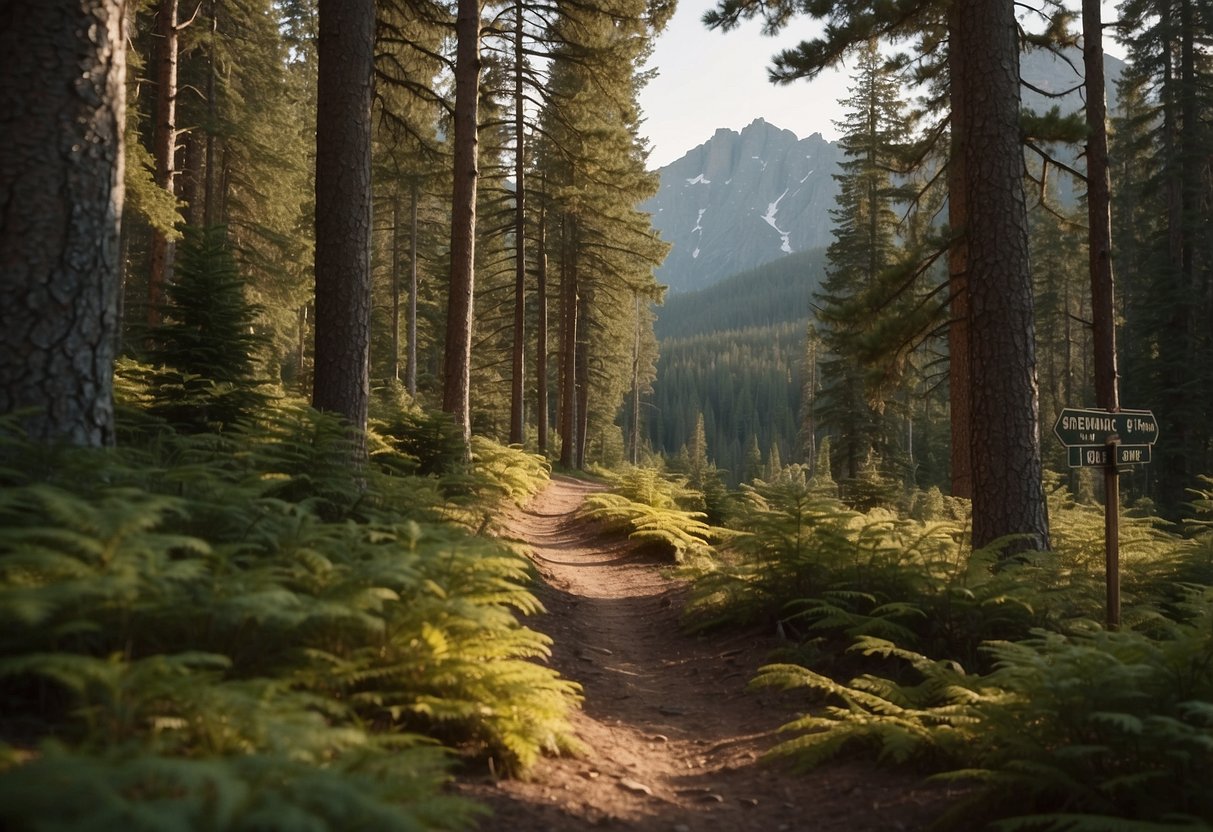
(1077, 426)
(1083, 456)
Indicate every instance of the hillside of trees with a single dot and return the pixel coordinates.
(732, 354)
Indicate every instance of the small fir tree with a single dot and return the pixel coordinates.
(207, 345)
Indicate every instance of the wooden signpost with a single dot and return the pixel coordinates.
(1108, 439)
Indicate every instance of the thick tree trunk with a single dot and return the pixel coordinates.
(457, 355)
(1008, 495)
(164, 152)
(518, 376)
(1099, 213)
(62, 113)
(341, 383)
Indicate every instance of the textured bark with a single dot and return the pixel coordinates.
(959, 374)
(394, 363)
(410, 382)
(341, 382)
(541, 335)
(1008, 496)
(568, 346)
(518, 375)
(457, 355)
(164, 152)
(1099, 213)
(582, 375)
(62, 110)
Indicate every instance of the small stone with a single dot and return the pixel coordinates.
(711, 797)
(591, 774)
(670, 710)
(659, 738)
(635, 786)
(748, 802)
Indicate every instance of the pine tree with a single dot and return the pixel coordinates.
(1164, 229)
(864, 248)
(206, 345)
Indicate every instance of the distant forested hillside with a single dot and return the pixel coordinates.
(732, 353)
(775, 293)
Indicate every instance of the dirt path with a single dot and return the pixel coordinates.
(674, 738)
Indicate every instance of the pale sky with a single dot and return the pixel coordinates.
(711, 79)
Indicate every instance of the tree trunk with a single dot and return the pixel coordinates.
(62, 114)
(164, 151)
(394, 364)
(191, 177)
(541, 334)
(410, 383)
(212, 118)
(341, 383)
(582, 376)
(1008, 495)
(457, 355)
(518, 377)
(568, 346)
(1099, 213)
(959, 374)
(634, 439)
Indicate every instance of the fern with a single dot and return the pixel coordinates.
(248, 600)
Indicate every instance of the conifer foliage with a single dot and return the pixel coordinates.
(207, 348)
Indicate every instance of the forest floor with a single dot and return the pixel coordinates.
(674, 740)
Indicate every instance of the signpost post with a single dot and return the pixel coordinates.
(1108, 439)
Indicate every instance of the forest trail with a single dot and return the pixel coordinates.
(674, 740)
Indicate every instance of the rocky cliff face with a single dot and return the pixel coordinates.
(740, 200)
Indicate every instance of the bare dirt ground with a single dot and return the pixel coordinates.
(675, 741)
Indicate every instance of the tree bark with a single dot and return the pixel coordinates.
(582, 376)
(541, 335)
(959, 374)
(164, 152)
(394, 364)
(568, 346)
(62, 114)
(457, 355)
(410, 383)
(1008, 495)
(1099, 213)
(518, 375)
(341, 382)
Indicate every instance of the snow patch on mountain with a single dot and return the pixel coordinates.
(769, 218)
(712, 230)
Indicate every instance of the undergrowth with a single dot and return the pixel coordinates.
(243, 631)
(649, 507)
(917, 651)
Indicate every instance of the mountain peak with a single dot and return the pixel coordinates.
(740, 200)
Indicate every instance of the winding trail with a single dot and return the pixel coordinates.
(674, 738)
